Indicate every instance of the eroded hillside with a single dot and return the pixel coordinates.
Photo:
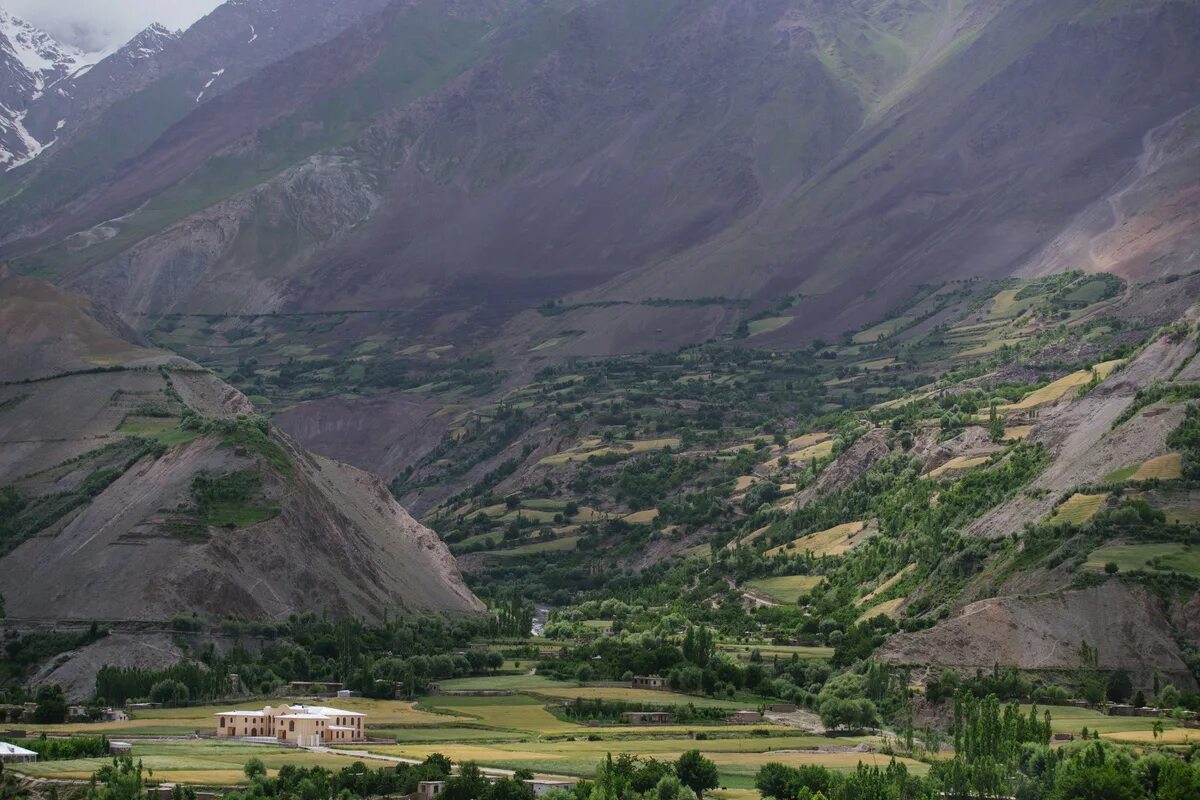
(138, 486)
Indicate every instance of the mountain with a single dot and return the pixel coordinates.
(99, 116)
(32, 63)
(138, 486)
(468, 162)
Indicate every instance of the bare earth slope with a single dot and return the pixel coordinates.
(113, 525)
(1123, 623)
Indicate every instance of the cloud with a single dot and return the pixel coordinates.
(99, 24)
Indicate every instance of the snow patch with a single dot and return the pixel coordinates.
(215, 75)
(253, 35)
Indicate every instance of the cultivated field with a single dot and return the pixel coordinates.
(1079, 508)
(1165, 557)
(830, 542)
(786, 588)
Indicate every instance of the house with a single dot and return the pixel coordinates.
(647, 717)
(10, 753)
(77, 713)
(305, 726)
(114, 715)
(541, 787)
(120, 748)
(744, 717)
(429, 789)
(656, 682)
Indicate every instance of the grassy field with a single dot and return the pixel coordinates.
(831, 542)
(786, 588)
(198, 761)
(882, 331)
(544, 546)
(500, 682)
(1165, 557)
(1079, 508)
(162, 429)
(1067, 719)
(596, 447)
(812, 652)
(736, 758)
(180, 721)
(767, 325)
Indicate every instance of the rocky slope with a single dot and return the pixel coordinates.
(138, 486)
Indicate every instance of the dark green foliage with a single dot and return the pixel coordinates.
(67, 748)
(232, 500)
(51, 704)
(1186, 439)
(696, 772)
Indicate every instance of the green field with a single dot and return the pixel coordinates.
(767, 324)
(1068, 719)
(786, 588)
(162, 429)
(198, 761)
(1166, 557)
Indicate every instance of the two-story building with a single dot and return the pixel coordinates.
(305, 726)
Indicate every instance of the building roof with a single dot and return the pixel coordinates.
(298, 711)
(10, 749)
(326, 711)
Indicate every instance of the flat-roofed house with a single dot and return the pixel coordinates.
(656, 682)
(304, 726)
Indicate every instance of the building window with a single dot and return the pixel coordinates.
(291, 725)
(221, 724)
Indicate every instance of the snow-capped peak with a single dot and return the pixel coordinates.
(45, 59)
(150, 41)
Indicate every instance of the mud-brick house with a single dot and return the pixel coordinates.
(656, 682)
(301, 725)
(647, 717)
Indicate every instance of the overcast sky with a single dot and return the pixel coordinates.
(97, 24)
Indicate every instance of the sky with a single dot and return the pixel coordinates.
(99, 24)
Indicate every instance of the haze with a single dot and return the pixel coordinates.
(100, 24)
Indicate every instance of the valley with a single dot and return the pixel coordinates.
(601, 400)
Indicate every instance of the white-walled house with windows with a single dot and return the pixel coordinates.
(305, 726)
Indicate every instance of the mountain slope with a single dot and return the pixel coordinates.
(470, 161)
(138, 486)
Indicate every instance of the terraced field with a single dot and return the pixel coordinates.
(1058, 389)
(832, 541)
(786, 588)
(1165, 557)
(1079, 508)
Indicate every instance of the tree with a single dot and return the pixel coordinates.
(1120, 686)
(1099, 782)
(696, 772)
(255, 769)
(1111, 568)
(169, 692)
(51, 704)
